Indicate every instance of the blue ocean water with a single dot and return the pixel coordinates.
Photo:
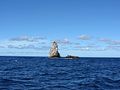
(42, 73)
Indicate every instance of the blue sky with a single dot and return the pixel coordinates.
(87, 28)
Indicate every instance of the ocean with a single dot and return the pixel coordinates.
(42, 73)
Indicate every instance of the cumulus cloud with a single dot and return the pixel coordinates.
(2, 47)
(25, 42)
(41, 43)
(64, 41)
(82, 48)
(110, 41)
(34, 47)
(22, 46)
(27, 38)
(90, 48)
(113, 47)
(84, 37)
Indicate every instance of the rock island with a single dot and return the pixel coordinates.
(54, 50)
(54, 53)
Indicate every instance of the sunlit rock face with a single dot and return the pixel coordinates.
(54, 50)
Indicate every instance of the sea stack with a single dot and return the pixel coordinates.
(54, 50)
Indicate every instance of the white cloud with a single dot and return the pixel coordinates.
(90, 48)
(26, 43)
(28, 39)
(34, 47)
(110, 41)
(113, 47)
(84, 37)
(2, 47)
(64, 41)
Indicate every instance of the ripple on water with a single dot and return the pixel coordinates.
(36, 73)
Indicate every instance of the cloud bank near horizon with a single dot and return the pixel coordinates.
(82, 43)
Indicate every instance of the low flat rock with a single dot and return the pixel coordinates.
(72, 57)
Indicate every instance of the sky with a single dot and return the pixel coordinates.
(86, 28)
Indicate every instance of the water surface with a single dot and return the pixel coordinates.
(42, 73)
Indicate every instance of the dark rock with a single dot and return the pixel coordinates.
(72, 57)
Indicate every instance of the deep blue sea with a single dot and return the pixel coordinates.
(42, 73)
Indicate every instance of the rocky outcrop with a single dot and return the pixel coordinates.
(54, 50)
(55, 53)
(72, 57)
